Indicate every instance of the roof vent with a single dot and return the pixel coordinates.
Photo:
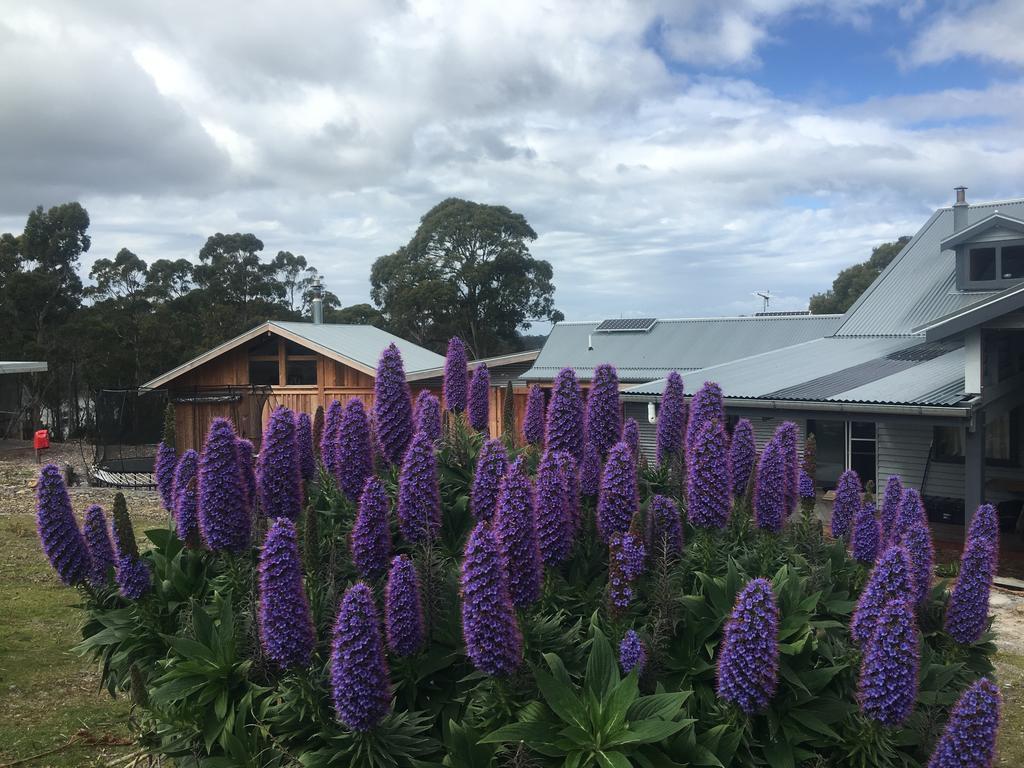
(627, 325)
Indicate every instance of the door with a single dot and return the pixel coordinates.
(831, 439)
(862, 450)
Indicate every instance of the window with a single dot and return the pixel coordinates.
(983, 263)
(300, 372)
(264, 372)
(990, 266)
(1002, 441)
(1013, 262)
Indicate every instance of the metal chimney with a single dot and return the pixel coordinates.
(317, 303)
(960, 209)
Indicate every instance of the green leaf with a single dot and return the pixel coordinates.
(812, 721)
(659, 706)
(612, 760)
(561, 698)
(650, 731)
(779, 754)
(530, 733)
(602, 672)
(622, 695)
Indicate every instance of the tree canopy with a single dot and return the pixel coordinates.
(853, 281)
(467, 271)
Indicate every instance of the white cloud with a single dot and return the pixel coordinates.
(991, 30)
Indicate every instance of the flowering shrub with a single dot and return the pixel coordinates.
(474, 603)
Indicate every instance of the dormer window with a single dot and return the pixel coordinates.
(983, 264)
(1012, 259)
(989, 253)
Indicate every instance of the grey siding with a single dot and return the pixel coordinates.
(648, 432)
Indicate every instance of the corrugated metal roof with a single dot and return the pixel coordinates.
(363, 343)
(920, 284)
(22, 366)
(683, 344)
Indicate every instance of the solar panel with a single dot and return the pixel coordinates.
(627, 325)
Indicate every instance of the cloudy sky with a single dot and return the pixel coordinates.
(675, 157)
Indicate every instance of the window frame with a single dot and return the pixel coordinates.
(1013, 462)
(964, 265)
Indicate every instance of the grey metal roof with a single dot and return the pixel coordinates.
(683, 344)
(920, 283)
(363, 343)
(22, 366)
(992, 306)
(837, 369)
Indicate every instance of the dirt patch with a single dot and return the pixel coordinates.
(1008, 609)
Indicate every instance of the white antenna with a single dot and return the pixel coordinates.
(766, 297)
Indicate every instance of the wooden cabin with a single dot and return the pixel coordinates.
(302, 366)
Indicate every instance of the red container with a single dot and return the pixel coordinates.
(41, 439)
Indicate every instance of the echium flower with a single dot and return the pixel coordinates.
(122, 528)
(554, 529)
(632, 653)
(890, 579)
(186, 498)
(62, 542)
(805, 488)
(627, 557)
(708, 477)
(590, 471)
(455, 376)
(403, 608)
(890, 507)
(533, 420)
(671, 419)
(515, 526)
(707, 405)
(918, 543)
(277, 469)
(888, 680)
(867, 534)
(97, 539)
(360, 683)
(565, 415)
(631, 437)
(286, 628)
(967, 614)
(134, 578)
(163, 470)
(489, 626)
(570, 489)
(352, 449)
(304, 443)
(742, 456)
(604, 413)
(329, 438)
(789, 437)
(847, 503)
(428, 415)
(748, 659)
(770, 488)
(969, 738)
(909, 512)
(223, 514)
(419, 496)
(491, 463)
(985, 524)
(392, 405)
(370, 543)
(247, 467)
(665, 526)
(617, 500)
(478, 407)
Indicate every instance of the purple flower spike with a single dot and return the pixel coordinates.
(286, 628)
(671, 419)
(133, 577)
(910, 512)
(186, 498)
(708, 478)
(969, 739)
(360, 683)
(455, 377)
(847, 503)
(742, 456)
(748, 662)
(489, 625)
(890, 579)
(101, 551)
(805, 488)
(163, 469)
(491, 464)
(304, 442)
(428, 415)
(419, 497)
(967, 614)
(565, 415)
(554, 528)
(617, 501)
(604, 413)
(889, 671)
(770, 488)
(479, 406)
(985, 524)
(329, 438)
(627, 557)
(590, 471)
(533, 421)
(392, 405)
(277, 468)
(403, 608)
(665, 525)
(223, 514)
(62, 542)
(370, 543)
(707, 405)
(570, 489)
(789, 437)
(631, 437)
(632, 653)
(867, 535)
(890, 507)
(515, 527)
(918, 543)
(247, 467)
(352, 449)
